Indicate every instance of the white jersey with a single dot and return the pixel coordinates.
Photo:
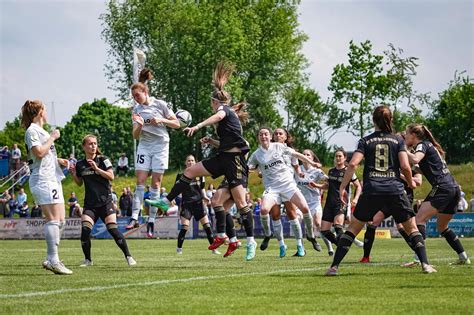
(46, 169)
(153, 133)
(312, 195)
(271, 163)
(290, 161)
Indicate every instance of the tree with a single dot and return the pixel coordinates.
(184, 40)
(112, 126)
(360, 84)
(451, 121)
(13, 133)
(312, 121)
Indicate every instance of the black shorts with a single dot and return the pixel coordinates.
(225, 185)
(444, 199)
(331, 211)
(230, 164)
(397, 206)
(99, 212)
(194, 209)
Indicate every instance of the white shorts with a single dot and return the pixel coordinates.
(281, 195)
(315, 208)
(47, 192)
(153, 158)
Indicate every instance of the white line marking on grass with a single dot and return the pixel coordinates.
(151, 283)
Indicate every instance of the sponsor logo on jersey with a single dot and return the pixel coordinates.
(277, 162)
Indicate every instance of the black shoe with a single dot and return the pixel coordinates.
(315, 243)
(265, 242)
(331, 253)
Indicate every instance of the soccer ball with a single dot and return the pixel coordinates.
(184, 118)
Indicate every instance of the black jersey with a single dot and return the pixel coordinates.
(193, 192)
(382, 167)
(229, 131)
(433, 166)
(335, 177)
(98, 192)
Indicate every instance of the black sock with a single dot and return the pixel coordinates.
(86, 239)
(247, 220)
(422, 230)
(452, 240)
(229, 226)
(207, 228)
(330, 236)
(182, 235)
(150, 227)
(369, 237)
(181, 185)
(339, 230)
(345, 242)
(118, 237)
(418, 245)
(405, 237)
(220, 219)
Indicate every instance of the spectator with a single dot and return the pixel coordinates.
(257, 206)
(24, 210)
(72, 201)
(24, 174)
(462, 205)
(21, 198)
(4, 208)
(122, 164)
(76, 211)
(114, 198)
(471, 202)
(125, 203)
(36, 211)
(15, 159)
(12, 205)
(146, 204)
(5, 155)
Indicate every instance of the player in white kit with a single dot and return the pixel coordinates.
(45, 179)
(311, 185)
(150, 117)
(278, 182)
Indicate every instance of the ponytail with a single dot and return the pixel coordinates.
(145, 75)
(382, 118)
(29, 111)
(239, 109)
(220, 77)
(423, 133)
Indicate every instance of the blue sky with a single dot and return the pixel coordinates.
(52, 49)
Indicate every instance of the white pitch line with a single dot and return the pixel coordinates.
(150, 283)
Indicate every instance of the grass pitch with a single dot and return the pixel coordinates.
(198, 282)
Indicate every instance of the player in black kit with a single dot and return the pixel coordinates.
(445, 193)
(229, 161)
(96, 172)
(334, 209)
(385, 155)
(192, 206)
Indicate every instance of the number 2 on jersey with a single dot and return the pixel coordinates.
(381, 157)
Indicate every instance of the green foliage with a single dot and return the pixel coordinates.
(184, 40)
(312, 121)
(112, 126)
(364, 84)
(13, 133)
(452, 119)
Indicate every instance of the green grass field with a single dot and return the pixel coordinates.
(200, 283)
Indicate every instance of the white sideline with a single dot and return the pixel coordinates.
(151, 283)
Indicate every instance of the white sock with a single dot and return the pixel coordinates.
(265, 220)
(463, 256)
(328, 243)
(250, 239)
(52, 235)
(137, 201)
(233, 239)
(221, 235)
(154, 195)
(281, 242)
(308, 224)
(296, 227)
(299, 242)
(278, 230)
